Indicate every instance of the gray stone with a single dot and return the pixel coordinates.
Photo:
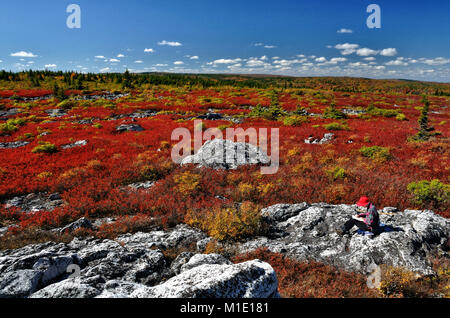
(225, 154)
(410, 238)
(178, 262)
(253, 279)
(130, 127)
(13, 145)
(56, 113)
(282, 212)
(79, 143)
(327, 138)
(19, 283)
(201, 245)
(202, 259)
(35, 202)
(82, 223)
(142, 185)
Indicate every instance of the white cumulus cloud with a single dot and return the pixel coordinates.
(389, 52)
(170, 43)
(23, 54)
(347, 48)
(343, 30)
(366, 52)
(149, 51)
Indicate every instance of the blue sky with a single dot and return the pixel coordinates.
(301, 38)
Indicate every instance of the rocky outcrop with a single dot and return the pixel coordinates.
(253, 279)
(82, 223)
(327, 138)
(130, 127)
(79, 143)
(56, 113)
(34, 202)
(131, 266)
(306, 233)
(135, 265)
(211, 116)
(13, 145)
(225, 154)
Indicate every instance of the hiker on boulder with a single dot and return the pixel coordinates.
(367, 220)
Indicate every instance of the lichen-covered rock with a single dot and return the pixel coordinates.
(253, 279)
(202, 259)
(130, 127)
(82, 223)
(79, 143)
(19, 283)
(82, 267)
(225, 154)
(35, 202)
(282, 212)
(13, 145)
(409, 239)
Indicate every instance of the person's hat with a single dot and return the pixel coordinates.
(363, 202)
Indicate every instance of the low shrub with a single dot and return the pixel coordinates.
(380, 112)
(336, 126)
(45, 147)
(67, 104)
(11, 125)
(376, 153)
(228, 223)
(311, 280)
(432, 192)
(333, 113)
(336, 173)
(295, 120)
(187, 182)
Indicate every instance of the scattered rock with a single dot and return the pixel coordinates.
(143, 114)
(82, 223)
(353, 112)
(56, 113)
(130, 127)
(211, 116)
(12, 145)
(34, 202)
(225, 154)
(9, 112)
(390, 210)
(327, 138)
(79, 143)
(202, 259)
(142, 185)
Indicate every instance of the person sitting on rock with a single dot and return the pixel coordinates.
(367, 219)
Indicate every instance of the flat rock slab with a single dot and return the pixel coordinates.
(131, 127)
(34, 202)
(303, 232)
(79, 143)
(13, 145)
